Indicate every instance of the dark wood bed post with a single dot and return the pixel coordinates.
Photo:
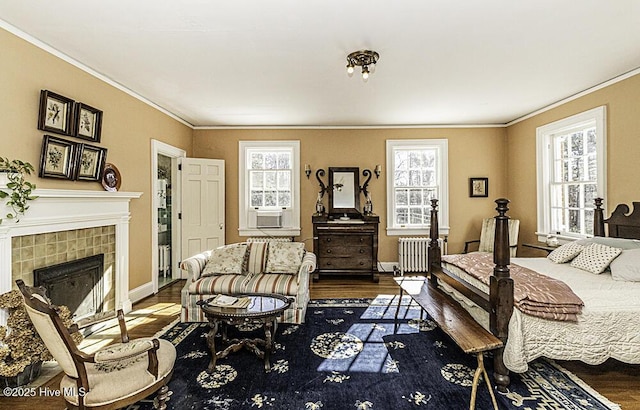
(434, 244)
(598, 218)
(501, 292)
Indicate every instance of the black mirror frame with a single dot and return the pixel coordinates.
(350, 212)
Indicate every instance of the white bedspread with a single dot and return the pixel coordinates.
(609, 326)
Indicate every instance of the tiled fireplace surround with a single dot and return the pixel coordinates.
(65, 225)
(41, 250)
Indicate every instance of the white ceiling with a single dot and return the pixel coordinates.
(282, 62)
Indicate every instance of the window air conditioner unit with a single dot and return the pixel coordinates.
(269, 219)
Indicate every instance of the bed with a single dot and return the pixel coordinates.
(607, 326)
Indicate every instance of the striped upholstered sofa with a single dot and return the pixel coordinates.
(255, 276)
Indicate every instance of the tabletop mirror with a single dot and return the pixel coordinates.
(344, 191)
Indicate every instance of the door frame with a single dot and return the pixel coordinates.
(159, 147)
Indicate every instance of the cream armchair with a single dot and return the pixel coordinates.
(113, 377)
(488, 233)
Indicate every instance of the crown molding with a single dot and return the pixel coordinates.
(38, 43)
(573, 97)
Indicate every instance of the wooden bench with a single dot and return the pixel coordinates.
(455, 322)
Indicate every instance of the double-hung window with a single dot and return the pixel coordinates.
(418, 172)
(571, 173)
(269, 188)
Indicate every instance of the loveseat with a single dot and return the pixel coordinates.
(256, 267)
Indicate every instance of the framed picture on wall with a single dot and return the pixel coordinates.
(87, 122)
(478, 187)
(57, 159)
(56, 113)
(90, 162)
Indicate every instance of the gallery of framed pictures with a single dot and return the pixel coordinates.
(63, 115)
(65, 159)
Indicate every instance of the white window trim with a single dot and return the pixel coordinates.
(293, 229)
(544, 160)
(442, 145)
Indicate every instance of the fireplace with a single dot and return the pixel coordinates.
(77, 284)
(55, 216)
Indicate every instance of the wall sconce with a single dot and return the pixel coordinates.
(307, 170)
(377, 171)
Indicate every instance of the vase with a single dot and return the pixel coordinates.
(29, 374)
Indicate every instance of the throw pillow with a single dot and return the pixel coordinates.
(257, 257)
(228, 259)
(595, 258)
(284, 257)
(626, 267)
(565, 253)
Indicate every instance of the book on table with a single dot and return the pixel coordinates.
(229, 301)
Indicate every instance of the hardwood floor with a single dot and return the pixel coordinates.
(617, 381)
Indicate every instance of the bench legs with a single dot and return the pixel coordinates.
(481, 371)
(395, 320)
(398, 306)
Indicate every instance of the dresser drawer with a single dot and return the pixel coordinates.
(339, 250)
(345, 240)
(341, 263)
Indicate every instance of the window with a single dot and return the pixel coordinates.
(571, 173)
(269, 188)
(418, 172)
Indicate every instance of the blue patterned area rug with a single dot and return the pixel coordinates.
(350, 355)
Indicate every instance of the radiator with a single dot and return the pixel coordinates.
(269, 239)
(413, 253)
(164, 259)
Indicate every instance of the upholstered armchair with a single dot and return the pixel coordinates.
(488, 233)
(113, 377)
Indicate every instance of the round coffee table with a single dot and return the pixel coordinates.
(263, 309)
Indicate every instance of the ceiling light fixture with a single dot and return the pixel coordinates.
(366, 59)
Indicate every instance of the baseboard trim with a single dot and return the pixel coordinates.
(141, 292)
(386, 267)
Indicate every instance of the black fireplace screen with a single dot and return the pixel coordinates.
(76, 284)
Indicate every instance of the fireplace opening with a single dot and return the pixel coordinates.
(76, 284)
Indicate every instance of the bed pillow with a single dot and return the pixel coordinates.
(226, 260)
(284, 257)
(626, 267)
(565, 253)
(595, 258)
(621, 243)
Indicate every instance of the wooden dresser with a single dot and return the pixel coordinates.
(346, 247)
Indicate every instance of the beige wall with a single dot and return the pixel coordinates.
(622, 101)
(505, 155)
(473, 152)
(128, 127)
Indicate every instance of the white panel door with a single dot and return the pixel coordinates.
(202, 205)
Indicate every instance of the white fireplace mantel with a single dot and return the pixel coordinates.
(60, 210)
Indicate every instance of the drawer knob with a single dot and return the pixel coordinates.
(361, 239)
(361, 263)
(328, 250)
(328, 263)
(361, 250)
(328, 239)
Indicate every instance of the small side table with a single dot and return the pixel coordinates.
(541, 246)
(264, 309)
